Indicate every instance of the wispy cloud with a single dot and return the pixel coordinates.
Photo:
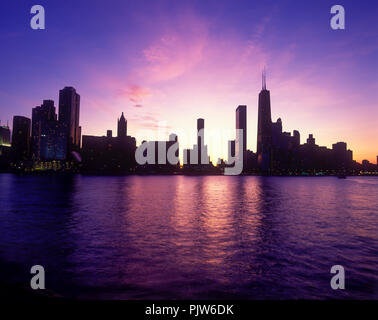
(135, 93)
(178, 48)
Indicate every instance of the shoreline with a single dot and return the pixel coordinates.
(111, 174)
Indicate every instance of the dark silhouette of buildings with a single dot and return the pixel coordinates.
(197, 160)
(284, 149)
(162, 156)
(20, 139)
(200, 139)
(108, 154)
(368, 167)
(280, 152)
(241, 123)
(5, 136)
(264, 129)
(69, 113)
(49, 138)
(48, 143)
(5, 147)
(249, 158)
(122, 127)
(40, 115)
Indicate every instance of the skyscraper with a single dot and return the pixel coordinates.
(200, 138)
(340, 155)
(122, 127)
(297, 138)
(4, 136)
(264, 129)
(241, 123)
(20, 138)
(41, 115)
(69, 112)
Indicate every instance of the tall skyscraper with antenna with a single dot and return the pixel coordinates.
(264, 128)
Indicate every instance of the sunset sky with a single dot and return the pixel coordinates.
(167, 63)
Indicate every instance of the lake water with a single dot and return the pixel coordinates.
(180, 237)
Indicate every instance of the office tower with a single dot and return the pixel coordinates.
(340, 155)
(53, 141)
(198, 155)
(297, 138)
(49, 137)
(200, 138)
(264, 129)
(241, 123)
(41, 115)
(21, 138)
(4, 136)
(349, 160)
(186, 153)
(69, 112)
(109, 133)
(122, 127)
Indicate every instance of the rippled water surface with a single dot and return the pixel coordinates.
(191, 237)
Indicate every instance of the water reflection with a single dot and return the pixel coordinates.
(192, 237)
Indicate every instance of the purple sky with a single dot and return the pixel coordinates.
(166, 63)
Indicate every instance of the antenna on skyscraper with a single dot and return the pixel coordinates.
(264, 79)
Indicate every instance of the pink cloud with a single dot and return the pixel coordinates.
(172, 56)
(179, 47)
(135, 93)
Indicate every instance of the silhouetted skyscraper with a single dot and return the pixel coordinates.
(122, 127)
(41, 115)
(297, 138)
(4, 136)
(200, 138)
(264, 129)
(340, 155)
(241, 123)
(20, 138)
(69, 112)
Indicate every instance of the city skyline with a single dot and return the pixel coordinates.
(49, 132)
(158, 61)
(46, 142)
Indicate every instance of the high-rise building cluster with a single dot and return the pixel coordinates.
(46, 142)
(54, 142)
(280, 153)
